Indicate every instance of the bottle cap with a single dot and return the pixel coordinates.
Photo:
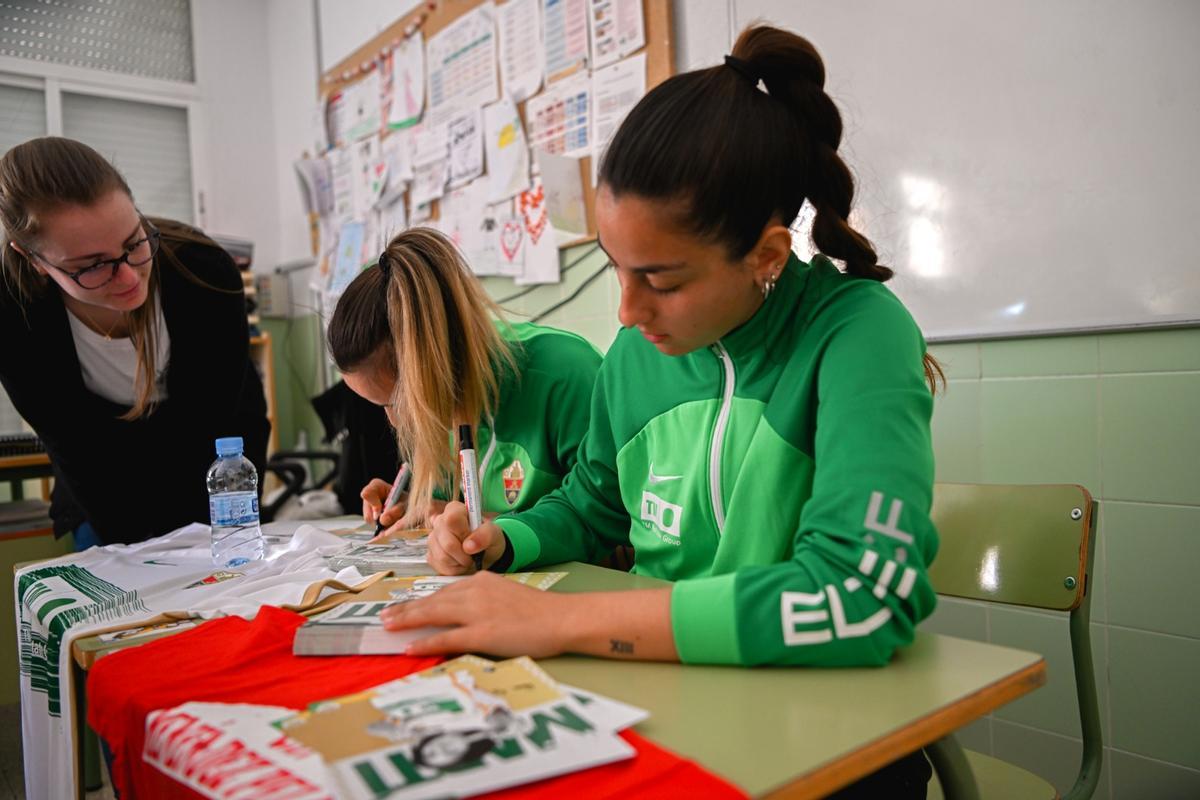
(229, 446)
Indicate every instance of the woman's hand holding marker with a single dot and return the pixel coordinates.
(453, 544)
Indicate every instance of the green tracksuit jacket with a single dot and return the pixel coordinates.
(782, 477)
(541, 416)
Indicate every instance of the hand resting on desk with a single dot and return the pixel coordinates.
(496, 616)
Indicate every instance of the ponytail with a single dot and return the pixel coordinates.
(422, 318)
(794, 75)
(732, 147)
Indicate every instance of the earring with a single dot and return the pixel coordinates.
(769, 285)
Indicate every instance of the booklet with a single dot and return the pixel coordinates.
(493, 677)
(354, 627)
(366, 532)
(398, 556)
(465, 727)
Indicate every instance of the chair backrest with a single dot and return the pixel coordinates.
(1024, 545)
(1029, 546)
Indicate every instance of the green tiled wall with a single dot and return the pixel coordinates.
(592, 314)
(1120, 414)
(297, 349)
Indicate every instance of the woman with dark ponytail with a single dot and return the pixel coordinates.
(760, 428)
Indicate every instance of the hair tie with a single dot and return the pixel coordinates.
(746, 70)
(385, 266)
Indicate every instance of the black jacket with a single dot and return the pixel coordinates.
(135, 480)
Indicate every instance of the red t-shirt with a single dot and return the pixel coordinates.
(233, 660)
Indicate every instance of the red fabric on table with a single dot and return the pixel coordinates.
(227, 660)
(653, 774)
(233, 660)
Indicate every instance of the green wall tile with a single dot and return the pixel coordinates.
(1100, 582)
(1040, 430)
(499, 288)
(1155, 694)
(958, 359)
(956, 432)
(591, 302)
(1150, 438)
(579, 264)
(614, 292)
(296, 348)
(555, 320)
(540, 298)
(1145, 779)
(1065, 355)
(1153, 552)
(599, 330)
(960, 618)
(1052, 758)
(1150, 351)
(1053, 707)
(588, 256)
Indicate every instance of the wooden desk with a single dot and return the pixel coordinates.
(790, 732)
(35, 462)
(264, 360)
(15, 469)
(802, 733)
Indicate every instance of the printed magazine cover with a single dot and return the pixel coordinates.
(468, 726)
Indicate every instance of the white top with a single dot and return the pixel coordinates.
(109, 366)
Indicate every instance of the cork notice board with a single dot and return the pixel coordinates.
(432, 17)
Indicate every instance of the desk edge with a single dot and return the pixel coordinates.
(834, 775)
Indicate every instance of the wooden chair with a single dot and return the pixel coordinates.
(1026, 546)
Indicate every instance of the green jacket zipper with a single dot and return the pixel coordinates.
(718, 437)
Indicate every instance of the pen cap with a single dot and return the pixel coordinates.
(465, 442)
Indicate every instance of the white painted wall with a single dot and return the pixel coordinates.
(291, 49)
(238, 144)
(256, 68)
(701, 29)
(346, 25)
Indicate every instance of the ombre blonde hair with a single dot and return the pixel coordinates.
(421, 316)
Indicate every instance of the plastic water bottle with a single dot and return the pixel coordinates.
(233, 506)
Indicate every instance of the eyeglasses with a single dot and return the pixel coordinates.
(101, 273)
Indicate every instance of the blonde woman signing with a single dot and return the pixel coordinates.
(417, 335)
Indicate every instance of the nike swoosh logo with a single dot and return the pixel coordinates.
(654, 480)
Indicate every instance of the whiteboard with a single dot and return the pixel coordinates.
(1025, 166)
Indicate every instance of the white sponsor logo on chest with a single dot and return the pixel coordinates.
(662, 516)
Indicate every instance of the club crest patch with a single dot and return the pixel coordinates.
(216, 577)
(514, 479)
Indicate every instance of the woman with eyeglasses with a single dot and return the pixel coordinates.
(125, 345)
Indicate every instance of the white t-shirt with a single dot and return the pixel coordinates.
(109, 366)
